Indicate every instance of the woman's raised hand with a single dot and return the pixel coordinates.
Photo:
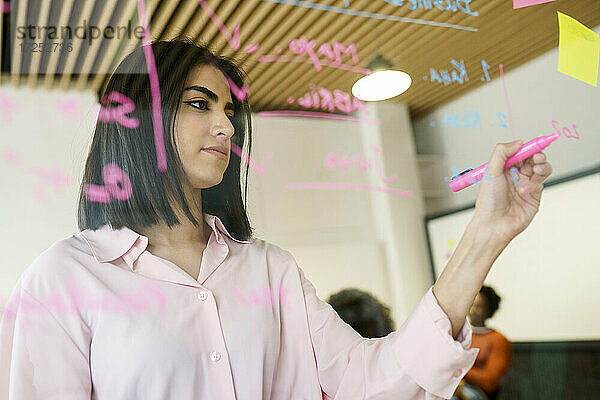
(507, 203)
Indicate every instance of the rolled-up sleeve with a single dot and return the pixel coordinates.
(419, 361)
(39, 359)
(427, 352)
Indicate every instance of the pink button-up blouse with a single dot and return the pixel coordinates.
(97, 316)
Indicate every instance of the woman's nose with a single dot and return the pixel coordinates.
(223, 127)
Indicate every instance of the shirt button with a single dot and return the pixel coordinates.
(215, 356)
(202, 296)
(457, 373)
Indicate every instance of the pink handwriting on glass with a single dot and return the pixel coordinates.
(232, 39)
(70, 109)
(298, 46)
(139, 301)
(304, 46)
(266, 299)
(332, 162)
(7, 106)
(261, 168)
(46, 176)
(240, 93)
(157, 122)
(117, 114)
(117, 186)
(568, 132)
(340, 100)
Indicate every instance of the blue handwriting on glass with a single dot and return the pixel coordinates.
(470, 120)
(459, 74)
(453, 5)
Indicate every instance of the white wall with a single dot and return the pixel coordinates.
(364, 239)
(44, 138)
(538, 94)
(329, 232)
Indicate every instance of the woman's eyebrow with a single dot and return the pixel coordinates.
(211, 95)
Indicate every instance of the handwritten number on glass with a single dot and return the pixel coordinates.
(117, 114)
(485, 66)
(502, 118)
(117, 186)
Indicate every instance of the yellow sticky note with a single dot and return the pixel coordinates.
(578, 50)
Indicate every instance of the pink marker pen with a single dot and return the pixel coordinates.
(469, 177)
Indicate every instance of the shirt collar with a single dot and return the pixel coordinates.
(108, 244)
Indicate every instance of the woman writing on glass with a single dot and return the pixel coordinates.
(186, 231)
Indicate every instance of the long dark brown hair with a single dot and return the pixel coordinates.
(133, 150)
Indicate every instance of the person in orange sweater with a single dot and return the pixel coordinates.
(495, 352)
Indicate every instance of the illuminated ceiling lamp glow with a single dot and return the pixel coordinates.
(382, 83)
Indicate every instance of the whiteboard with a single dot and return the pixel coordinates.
(549, 275)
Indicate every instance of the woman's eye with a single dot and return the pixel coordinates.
(201, 104)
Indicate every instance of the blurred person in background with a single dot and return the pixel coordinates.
(363, 312)
(495, 352)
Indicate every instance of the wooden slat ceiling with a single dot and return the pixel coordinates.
(503, 36)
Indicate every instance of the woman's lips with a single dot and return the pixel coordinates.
(216, 153)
